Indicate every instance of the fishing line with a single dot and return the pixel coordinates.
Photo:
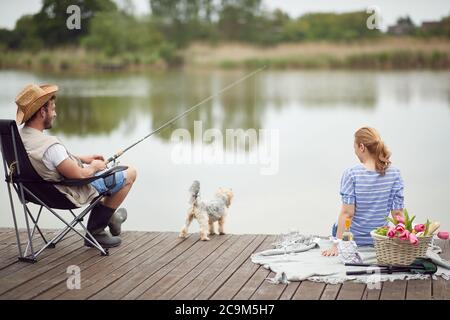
(121, 152)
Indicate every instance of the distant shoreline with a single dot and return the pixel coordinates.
(392, 53)
(389, 53)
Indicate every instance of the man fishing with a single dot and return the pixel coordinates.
(36, 109)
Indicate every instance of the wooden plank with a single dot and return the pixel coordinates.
(28, 273)
(441, 289)
(137, 271)
(97, 270)
(9, 256)
(331, 291)
(13, 245)
(268, 290)
(440, 286)
(418, 290)
(232, 286)
(124, 268)
(9, 251)
(11, 264)
(11, 237)
(4, 235)
(351, 291)
(48, 233)
(395, 290)
(204, 279)
(290, 290)
(159, 267)
(168, 292)
(224, 275)
(445, 246)
(166, 268)
(4, 246)
(13, 251)
(195, 265)
(372, 293)
(252, 284)
(51, 278)
(309, 290)
(31, 271)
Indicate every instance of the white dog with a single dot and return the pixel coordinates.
(207, 212)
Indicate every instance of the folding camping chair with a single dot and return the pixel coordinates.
(30, 187)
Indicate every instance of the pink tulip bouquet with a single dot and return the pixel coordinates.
(404, 229)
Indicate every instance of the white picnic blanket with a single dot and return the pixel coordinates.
(305, 262)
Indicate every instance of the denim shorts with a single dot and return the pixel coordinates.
(334, 230)
(101, 187)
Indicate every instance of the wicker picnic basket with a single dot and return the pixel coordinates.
(398, 252)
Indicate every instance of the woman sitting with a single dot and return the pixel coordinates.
(369, 191)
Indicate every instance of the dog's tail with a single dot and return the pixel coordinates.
(195, 192)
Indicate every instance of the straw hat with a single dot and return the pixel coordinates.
(31, 98)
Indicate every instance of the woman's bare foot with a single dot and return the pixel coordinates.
(332, 252)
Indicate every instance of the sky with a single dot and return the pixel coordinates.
(390, 10)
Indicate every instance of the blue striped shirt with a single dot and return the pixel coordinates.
(374, 196)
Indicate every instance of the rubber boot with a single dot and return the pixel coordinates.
(105, 239)
(98, 220)
(115, 223)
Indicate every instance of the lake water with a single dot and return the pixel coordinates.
(309, 118)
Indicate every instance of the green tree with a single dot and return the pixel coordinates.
(269, 26)
(116, 33)
(24, 35)
(7, 39)
(238, 19)
(50, 21)
(182, 21)
(329, 26)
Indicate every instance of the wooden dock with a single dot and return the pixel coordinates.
(159, 265)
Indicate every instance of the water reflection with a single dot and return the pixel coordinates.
(316, 113)
(315, 89)
(100, 106)
(82, 116)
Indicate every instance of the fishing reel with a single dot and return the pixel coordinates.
(114, 163)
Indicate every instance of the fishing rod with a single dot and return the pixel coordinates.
(121, 152)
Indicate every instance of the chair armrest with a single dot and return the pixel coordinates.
(82, 182)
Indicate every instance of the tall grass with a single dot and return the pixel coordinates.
(63, 60)
(386, 53)
(376, 60)
(390, 53)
